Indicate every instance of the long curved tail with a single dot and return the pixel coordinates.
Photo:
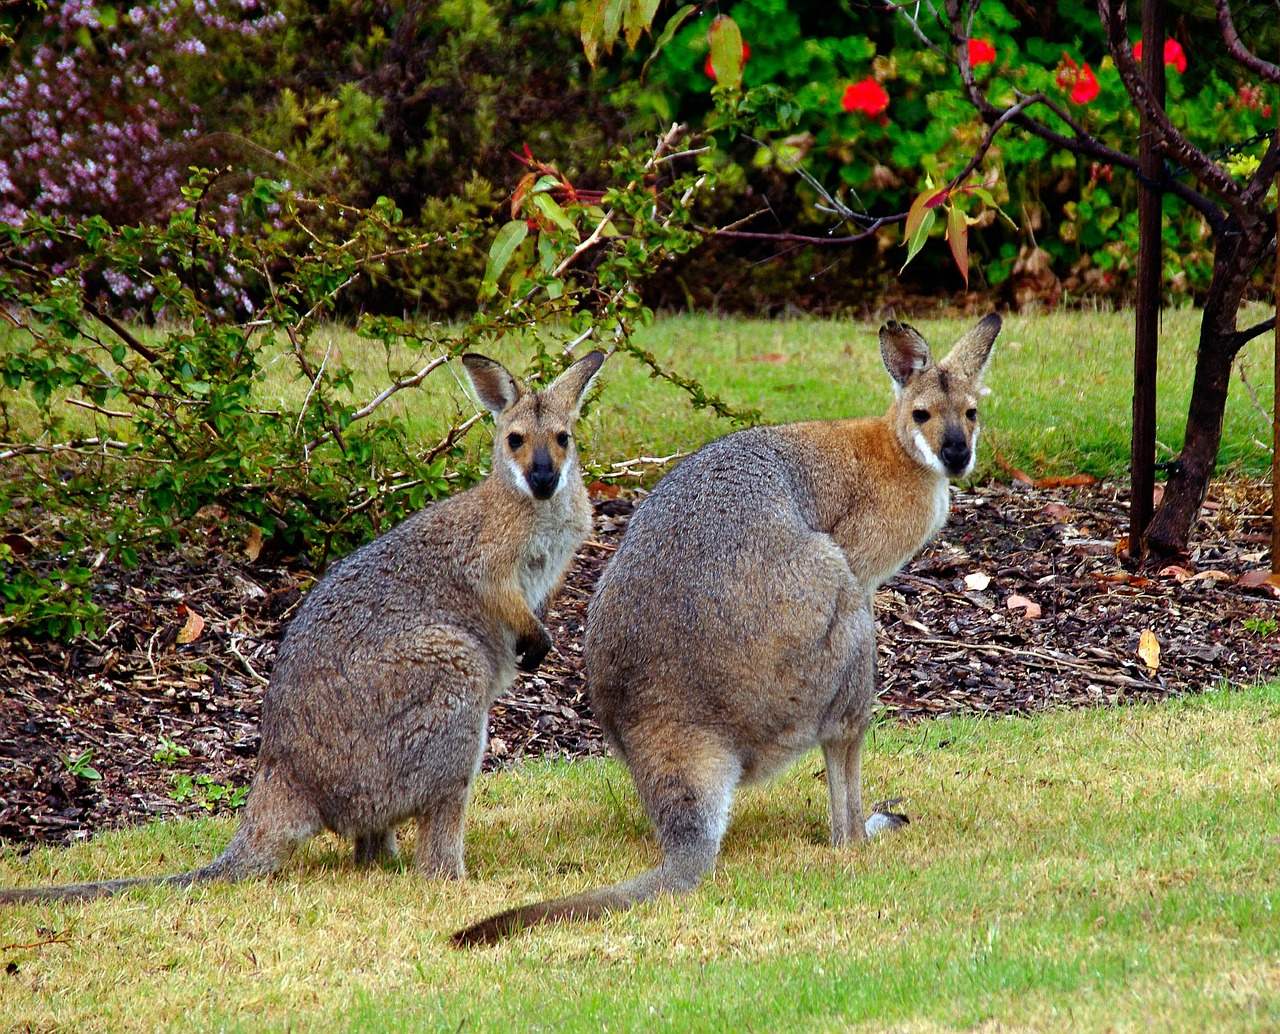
(678, 874)
(246, 855)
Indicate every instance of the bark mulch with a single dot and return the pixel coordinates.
(1022, 603)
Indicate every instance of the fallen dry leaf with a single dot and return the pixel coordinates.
(603, 490)
(1213, 575)
(191, 629)
(1149, 650)
(253, 544)
(1012, 471)
(1260, 579)
(977, 581)
(1029, 607)
(1070, 481)
(1178, 574)
(1056, 511)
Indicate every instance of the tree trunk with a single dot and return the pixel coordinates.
(1236, 255)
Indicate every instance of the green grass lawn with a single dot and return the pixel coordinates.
(1089, 870)
(1060, 402)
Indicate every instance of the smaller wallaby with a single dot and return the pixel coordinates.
(377, 710)
(733, 630)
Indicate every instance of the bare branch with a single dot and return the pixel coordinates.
(83, 446)
(800, 238)
(628, 468)
(1115, 23)
(98, 409)
(1081, 142)
(1236, 48)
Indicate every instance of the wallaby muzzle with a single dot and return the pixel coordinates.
(542, 475)
(955, 453)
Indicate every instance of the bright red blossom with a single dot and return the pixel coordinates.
(981, 52)
(711, 72)
(1173, 54)
(867, 96)
(1079, 80)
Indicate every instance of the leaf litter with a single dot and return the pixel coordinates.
(1055, 620)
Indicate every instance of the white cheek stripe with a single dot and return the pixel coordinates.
(517, 475)
(927, 455)
(973, 452)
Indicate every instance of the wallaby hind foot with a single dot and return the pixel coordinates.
(378, 703)
(733, 628)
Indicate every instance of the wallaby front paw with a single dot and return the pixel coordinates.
(533, 651)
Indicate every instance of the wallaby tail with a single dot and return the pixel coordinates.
(242, 858)
(676, 875)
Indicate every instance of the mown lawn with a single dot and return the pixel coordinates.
(1092, 870)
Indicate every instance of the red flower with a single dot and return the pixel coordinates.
(1252, 97)
(1079, 79)
(711, 72)
(981, 52)
(867, 96)
(1173, 54)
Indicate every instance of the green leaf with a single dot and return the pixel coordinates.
(726, 51)
(668, 34)
(916, 240)
(592, 30)
(958, 238)
(638, 18)
(921, 209)
(510, 237)
(547, 206)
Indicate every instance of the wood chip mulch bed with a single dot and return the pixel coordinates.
(958, 633)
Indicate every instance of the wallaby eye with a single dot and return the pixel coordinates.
(562, 439)
(971, 415)
(514, 441)
(920, 416)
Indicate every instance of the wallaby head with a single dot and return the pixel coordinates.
(935, 414)
(533, 446)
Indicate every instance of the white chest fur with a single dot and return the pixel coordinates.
(550, 548)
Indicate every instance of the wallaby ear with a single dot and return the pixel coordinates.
(576, 381)
(904, 351)
(496, 389)
(970, 355)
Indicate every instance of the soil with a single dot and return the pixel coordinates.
(1024, 602)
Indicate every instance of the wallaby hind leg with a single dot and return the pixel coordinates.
(277, 818)
(376, 846)
(687, 797)
(842, 752)
(438, 851)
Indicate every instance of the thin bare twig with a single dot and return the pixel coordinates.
(115, 413)
(83, 446)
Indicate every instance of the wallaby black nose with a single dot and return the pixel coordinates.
(955, 455)
(542, 476)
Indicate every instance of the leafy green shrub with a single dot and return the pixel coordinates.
(860, 110)
(182, 432)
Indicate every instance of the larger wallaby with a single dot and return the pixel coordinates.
(733, 630)
(378, 703)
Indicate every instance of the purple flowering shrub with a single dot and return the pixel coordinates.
(93, 110)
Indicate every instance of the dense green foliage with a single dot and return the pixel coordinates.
(849, 113)
(393, 162)
(182, 431)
